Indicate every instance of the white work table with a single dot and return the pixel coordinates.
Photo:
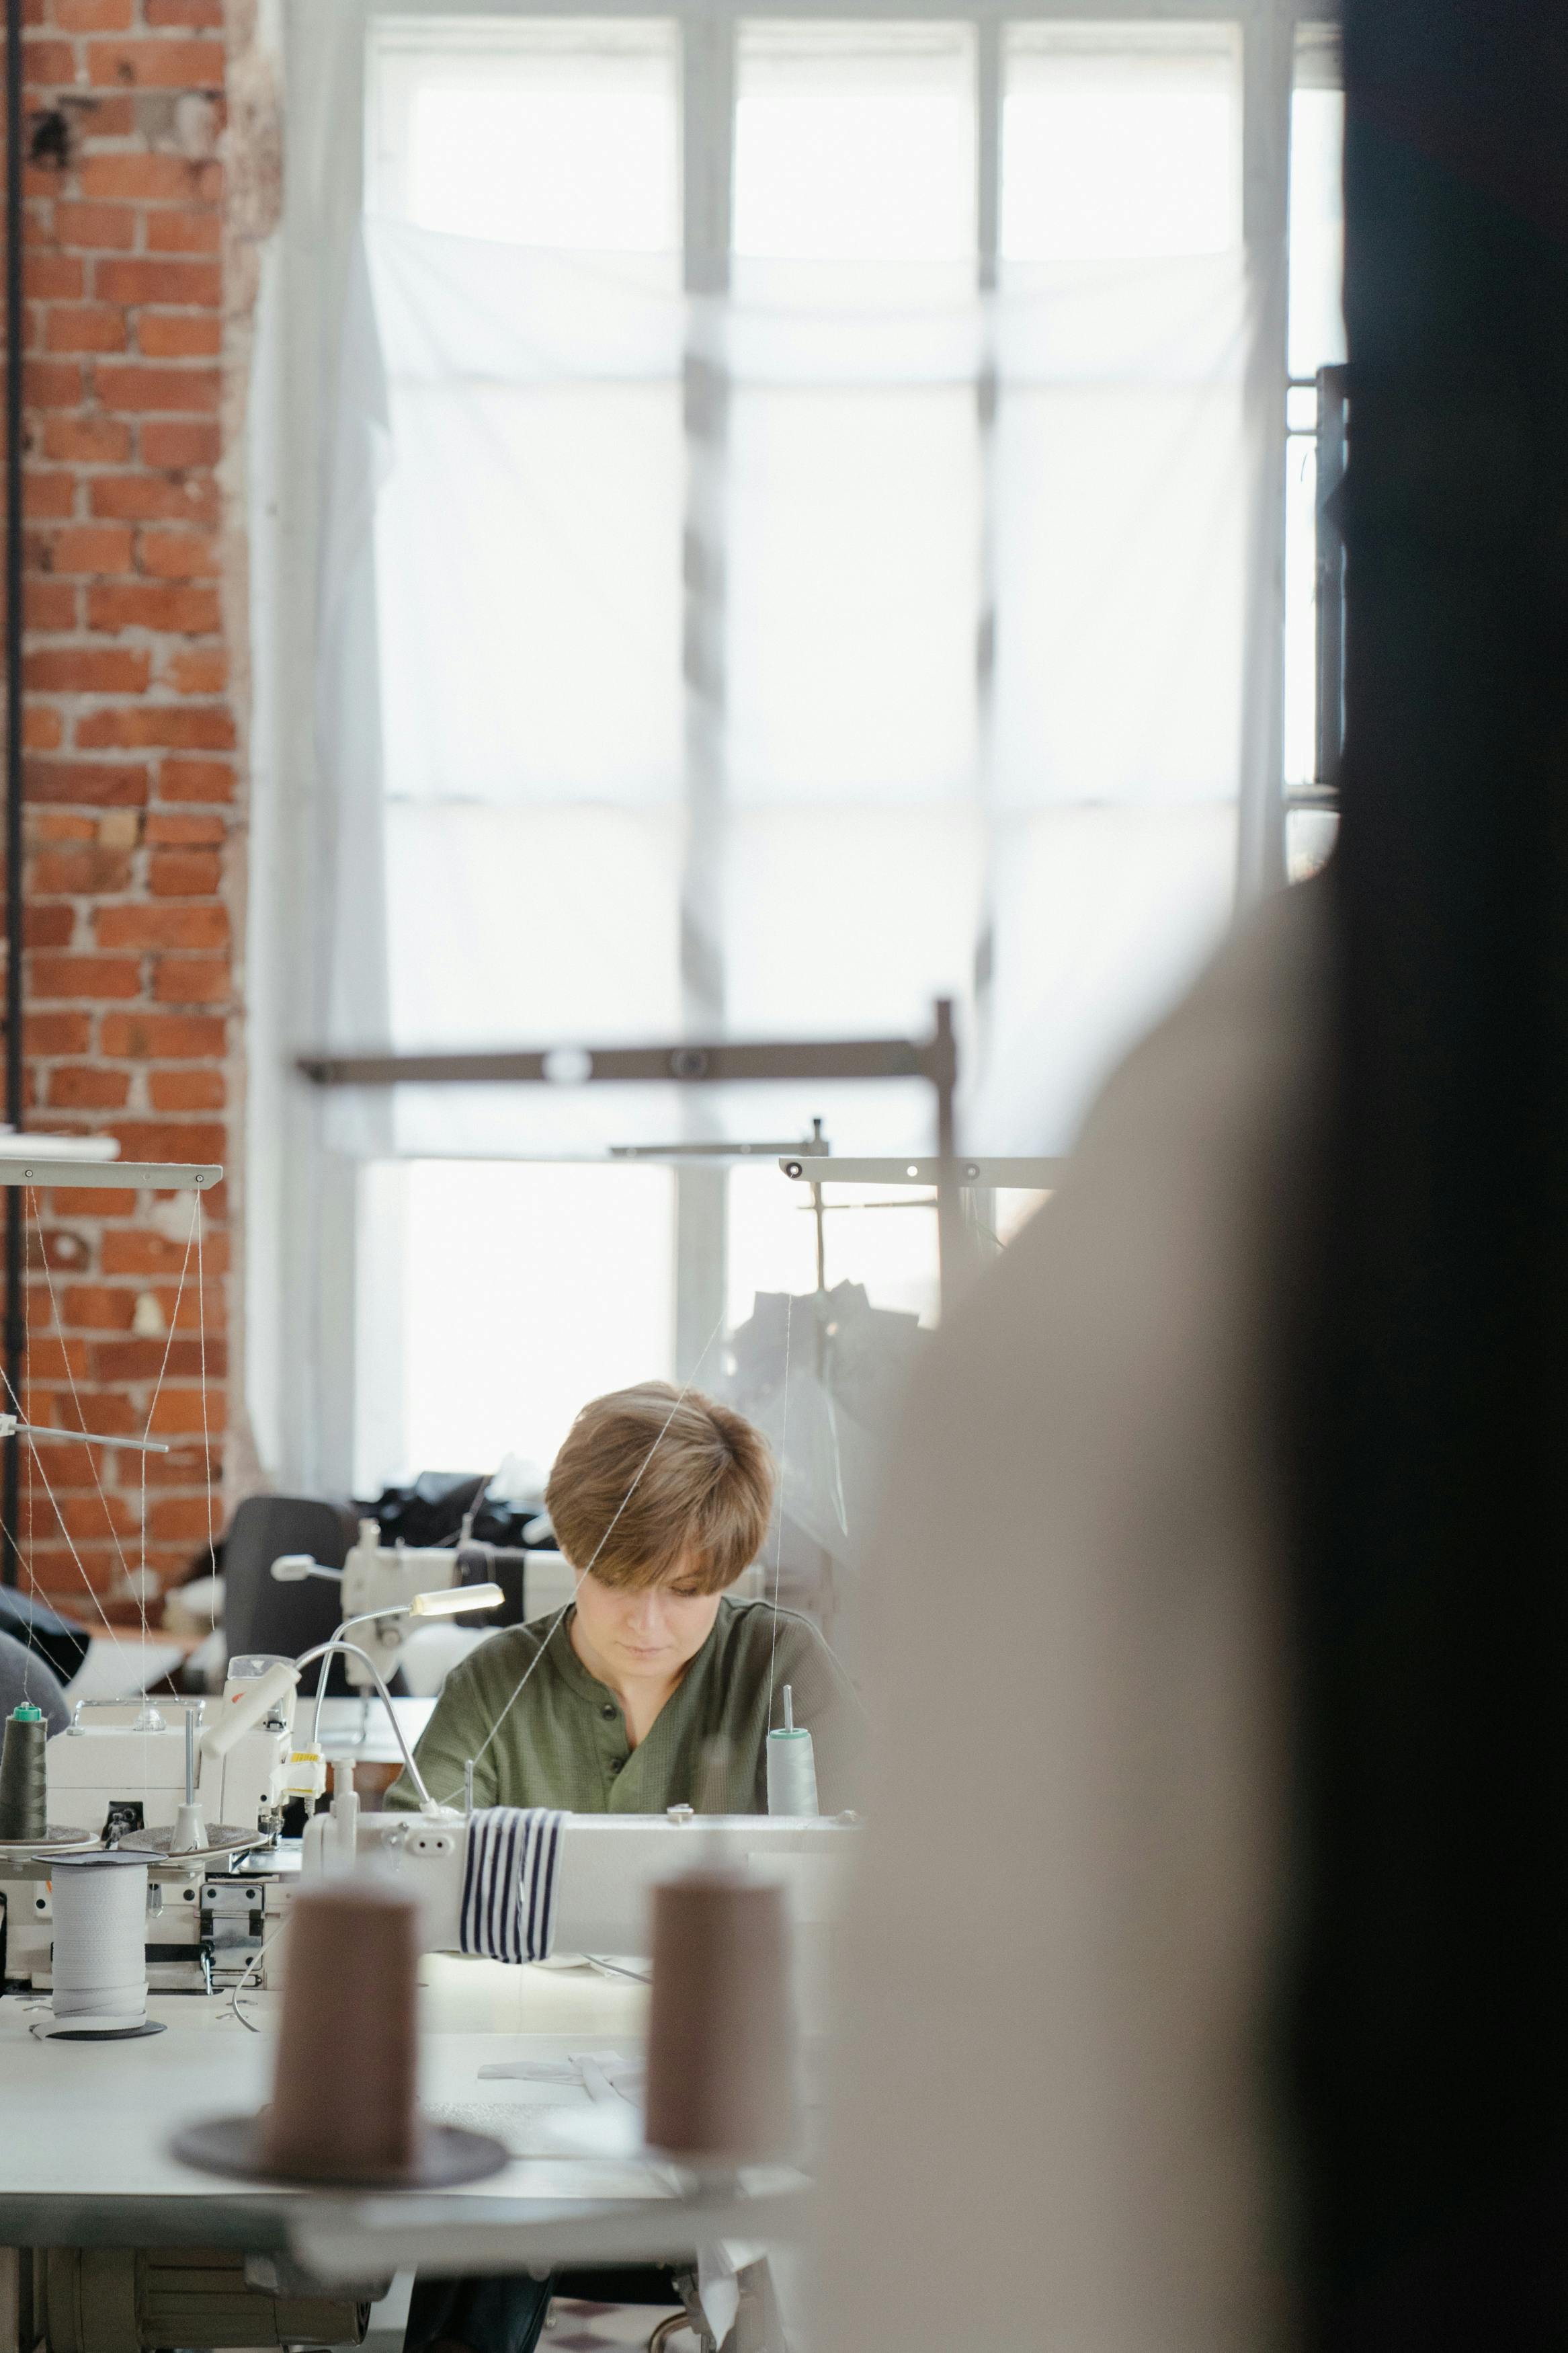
(85, 2157)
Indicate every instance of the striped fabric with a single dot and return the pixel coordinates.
(508, 1883)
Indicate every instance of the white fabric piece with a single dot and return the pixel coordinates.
(719, 2263)
(1064, 2106)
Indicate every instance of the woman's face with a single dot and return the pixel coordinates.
(647, 1634)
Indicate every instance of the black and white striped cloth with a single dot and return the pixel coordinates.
(508, 1883)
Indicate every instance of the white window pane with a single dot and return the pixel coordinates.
(1120, 554)
(523, 1292)
(528, 573)
(1120, 142)
(853, 588)
(855, 142)
(1300, 609)
(561, 133)
(1317, 329)
(882, 1237)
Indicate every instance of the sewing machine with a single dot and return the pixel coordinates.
(129, 1772)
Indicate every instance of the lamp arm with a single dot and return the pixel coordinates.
(323, 1650)
(364, 1617)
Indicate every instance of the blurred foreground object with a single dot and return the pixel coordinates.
(1051, 2128)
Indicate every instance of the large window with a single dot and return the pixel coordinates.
(810, 556)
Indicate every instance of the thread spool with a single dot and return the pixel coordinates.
(344, 2105)
(348, 2020)
(24, 1790)
(100, 1903)
(720, 2073)
(791, 1765)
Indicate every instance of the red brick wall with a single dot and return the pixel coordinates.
(132, 778)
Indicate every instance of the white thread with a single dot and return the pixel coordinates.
(152, 1402)
(64, 1358)
(453, 1794)
(202, 1346)
(92, 1593)
(778, 1544)
(100, 1941)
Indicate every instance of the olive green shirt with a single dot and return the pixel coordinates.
(562, 1740)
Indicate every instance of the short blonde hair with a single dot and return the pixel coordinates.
(649, 1481)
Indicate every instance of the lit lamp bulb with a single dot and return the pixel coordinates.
(454, 1600)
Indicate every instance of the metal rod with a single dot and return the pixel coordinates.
(110, 1176)
(91, 1438)
(15, 1331)
(716, 1064)
(1030, 1176)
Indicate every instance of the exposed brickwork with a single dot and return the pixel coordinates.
(134, 778)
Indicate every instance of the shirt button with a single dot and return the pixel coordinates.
(615, 1763)
(606, 1711)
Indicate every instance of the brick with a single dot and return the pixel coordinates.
(154, 498)
(158, 179)
(186, 1518)
(187, 1089)
(84, 975)
(89, 548)
(191, 980)
(185, 228)
(97, 1307)
(51, 604)
(178, 1412)
(155, 65)
(76, 1086)
(154, 605)
(41, 728)
(178, 555)
(49, 63)
(85, 871)
(180, 334)
(196, 780)
(94, 16)
(95, 228)
(77, 1201)
(42, 827)
(52, 383)
(138, 1251)
(176, 927)
(182, 392)
(47, 926)
(100, 784)
(183, 12)
(53, 278)
(197, 670)
(84, 327)
(88, 439)
(56, 1033)
(167, 444)
(87, 669)
(88, 1516)
(184, 873)
(169, 1139)
(52, 1359)
(47, 497)
(188, 1466)
(172, 726)
(163, 1037)
(183, 283)
(186, 832)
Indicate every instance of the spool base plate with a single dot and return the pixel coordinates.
(223, 1839)
(58, 1838)
(81, 2030)
(444, 2157)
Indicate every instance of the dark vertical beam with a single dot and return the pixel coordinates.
(15, 1318)
(1431, 2080)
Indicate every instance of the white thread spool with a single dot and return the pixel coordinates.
(100, 1944)
(791, 1765)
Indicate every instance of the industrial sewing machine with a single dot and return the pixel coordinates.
(200, 1786)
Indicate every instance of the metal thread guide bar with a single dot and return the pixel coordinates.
(110, 1176)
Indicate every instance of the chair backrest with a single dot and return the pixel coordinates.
(259, 1614)
(25, 1675)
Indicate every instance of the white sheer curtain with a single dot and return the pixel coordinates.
(896, 816)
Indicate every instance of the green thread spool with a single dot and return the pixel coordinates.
(23, 1793)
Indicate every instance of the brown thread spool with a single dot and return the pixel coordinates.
(720, 2075)
(24, 1790)
(343, 2093)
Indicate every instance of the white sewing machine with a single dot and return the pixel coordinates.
(378, 1582)
(131, 1772)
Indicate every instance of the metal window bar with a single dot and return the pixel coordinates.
(1333, 417)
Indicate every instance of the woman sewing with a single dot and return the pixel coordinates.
(660, 1501)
